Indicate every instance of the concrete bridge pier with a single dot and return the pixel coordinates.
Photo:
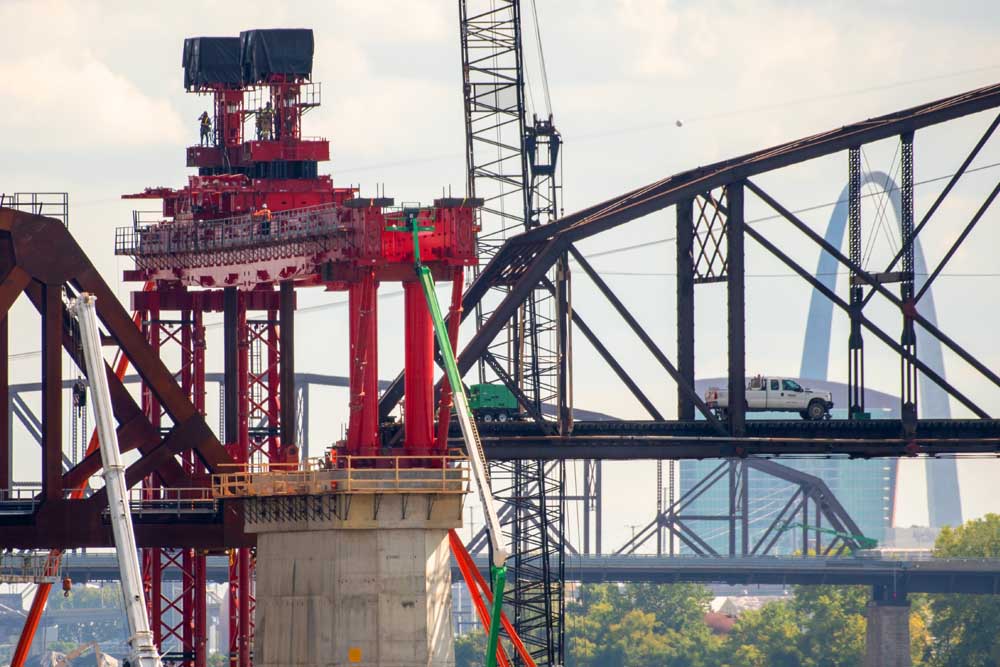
(355, 579)
(887, 641)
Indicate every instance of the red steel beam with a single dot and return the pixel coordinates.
(453, 321)
(419, 380)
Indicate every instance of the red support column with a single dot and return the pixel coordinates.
(363, 431)
(240, 582)
(152, 570)
(454, 320)
(286, 343)
(244, 608)
(200, 610)
(419, 379)
(156, 595)
(274, 397)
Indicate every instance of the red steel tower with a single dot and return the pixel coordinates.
(256, 222)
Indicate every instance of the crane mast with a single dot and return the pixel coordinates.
(142, 652)
(511, 165)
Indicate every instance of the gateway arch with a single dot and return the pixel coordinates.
(943, 501)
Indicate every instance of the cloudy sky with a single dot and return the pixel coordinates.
(94, 105)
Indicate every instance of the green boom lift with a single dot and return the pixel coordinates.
(498, 567)
(860, 540)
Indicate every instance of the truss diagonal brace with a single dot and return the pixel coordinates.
(917, 317)
(881, 335)
(940, 198)
(682, 384)
(609, 359)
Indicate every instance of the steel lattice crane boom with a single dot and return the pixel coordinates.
(512, 163)
(142, 652)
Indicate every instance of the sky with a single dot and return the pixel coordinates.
(94, 105)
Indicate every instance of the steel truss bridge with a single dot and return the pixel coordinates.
(41, 262)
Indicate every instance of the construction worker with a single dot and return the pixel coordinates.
(206, 129)
(265, 123)
(264, 215)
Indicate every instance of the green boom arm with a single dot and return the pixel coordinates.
(862, 541)
(498, 568)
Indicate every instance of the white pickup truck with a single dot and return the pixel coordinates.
(775, 395)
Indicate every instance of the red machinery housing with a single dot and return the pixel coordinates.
(254, 223)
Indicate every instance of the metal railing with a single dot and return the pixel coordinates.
(346, 475)
(29, 567)
(177, 501)
(206, 236)
(50, 204)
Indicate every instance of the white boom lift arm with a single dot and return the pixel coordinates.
(142, 652)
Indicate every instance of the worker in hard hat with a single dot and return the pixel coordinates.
(206, 129)
(265, 123)
(264, 215)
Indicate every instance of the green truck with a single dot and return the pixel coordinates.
(492, 402)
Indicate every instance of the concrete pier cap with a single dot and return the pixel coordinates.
(355, 571)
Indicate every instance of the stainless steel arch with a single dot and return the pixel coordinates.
(944, 505)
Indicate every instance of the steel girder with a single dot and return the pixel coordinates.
(39, 259)
(524, 260)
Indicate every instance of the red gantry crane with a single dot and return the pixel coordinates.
(256, 222)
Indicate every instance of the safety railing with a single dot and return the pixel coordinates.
(201, 236)
(29, 567)
(20, 493)
(346, 475)
(177, 501)
(162, 500)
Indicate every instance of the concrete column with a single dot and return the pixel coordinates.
(354, 580)
(887, 640)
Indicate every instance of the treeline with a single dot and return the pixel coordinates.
(646, 625)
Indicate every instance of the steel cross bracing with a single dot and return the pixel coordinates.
(177, 612)
(24, 271)
(745, 539)
(527, 258)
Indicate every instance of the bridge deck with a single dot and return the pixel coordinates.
(944, 575)
(696, 439)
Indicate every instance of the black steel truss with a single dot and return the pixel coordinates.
(806, 491)
(525, 259)
(711, 235)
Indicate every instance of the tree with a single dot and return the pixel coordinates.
(470, 649)
(640, 625)
(965, 627)
(821, 626)
(832, 621)
(765, 637)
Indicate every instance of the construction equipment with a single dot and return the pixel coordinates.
(57, 659)
(55, 556)
(492, 402)
(498, 551)
(862, 541)
(513, 164)
(142, 652)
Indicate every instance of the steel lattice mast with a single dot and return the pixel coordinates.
(512, 167)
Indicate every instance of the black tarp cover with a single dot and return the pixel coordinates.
(211, 60)
(286, 51)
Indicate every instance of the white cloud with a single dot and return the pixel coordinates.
(59, 94)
